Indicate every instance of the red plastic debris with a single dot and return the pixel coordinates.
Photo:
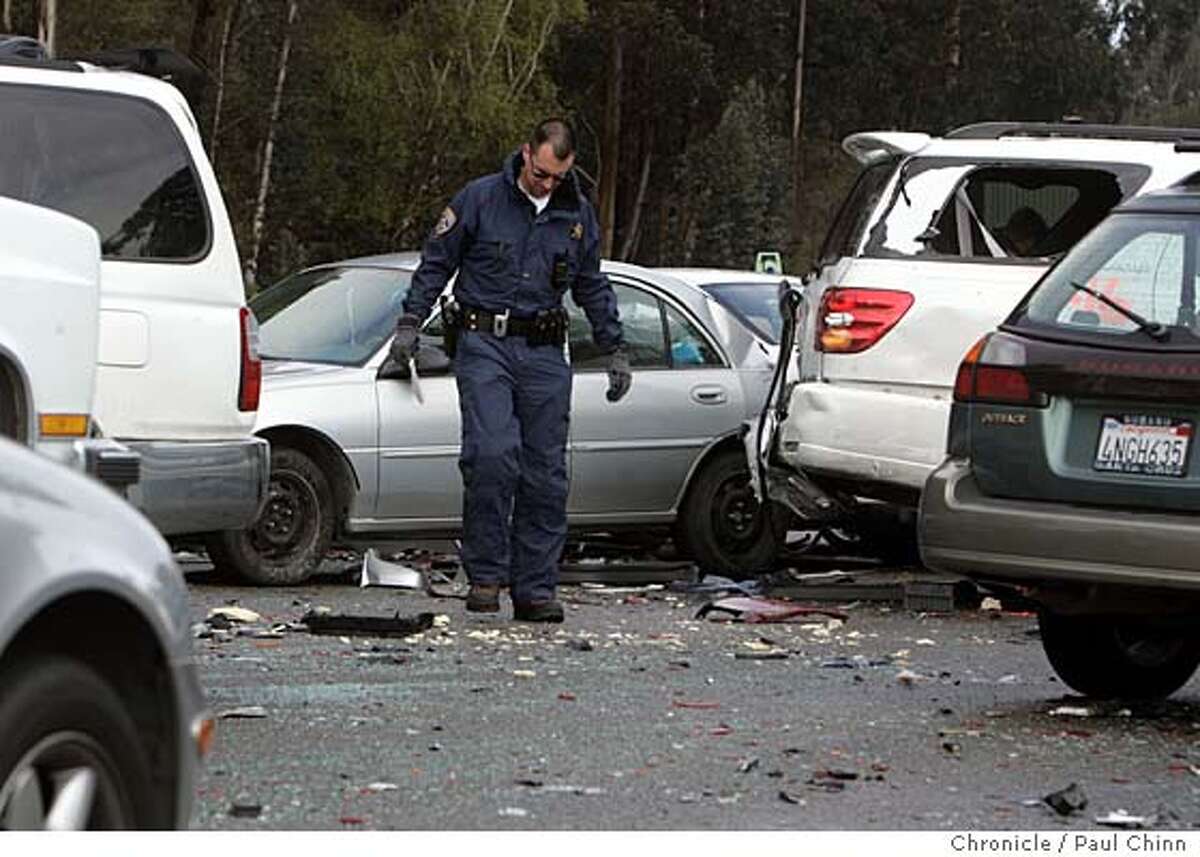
(748, 609)
(351, 819)
(683, 703)
(567, 696)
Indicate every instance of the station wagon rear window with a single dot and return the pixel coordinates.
(330, 315)
(1134, 272)
(115, 162)
(953, 209)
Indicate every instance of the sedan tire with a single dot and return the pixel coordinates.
(1115, 657)
(723, 526)
(71, 757)
(294, 529)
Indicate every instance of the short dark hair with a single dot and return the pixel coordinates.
(558, 134)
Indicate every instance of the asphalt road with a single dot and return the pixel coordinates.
(635, 715)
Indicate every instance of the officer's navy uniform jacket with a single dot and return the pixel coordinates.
(514, 398)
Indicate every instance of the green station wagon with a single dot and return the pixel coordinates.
(1072, 474)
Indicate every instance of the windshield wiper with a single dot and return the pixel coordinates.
(1151, 328)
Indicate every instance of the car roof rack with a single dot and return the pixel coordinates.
(162, 63)
(996, 130)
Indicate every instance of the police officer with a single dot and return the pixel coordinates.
(519, 239)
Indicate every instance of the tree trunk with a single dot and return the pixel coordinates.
(798, 219)
(47, 23)
(264, 183)
(8, 27)
(629, 245)
(953, 41)
(201, 39)
(222, 56)
(610, 155)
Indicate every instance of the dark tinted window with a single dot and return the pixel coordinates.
(115, 162)
(1146, 263)
(852, 218)
(330, 315)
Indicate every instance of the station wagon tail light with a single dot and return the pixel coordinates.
(853, 320)
(251, 378)
(63, 425)
(994, 371)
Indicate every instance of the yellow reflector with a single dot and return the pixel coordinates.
(63, 425)
(836, 339)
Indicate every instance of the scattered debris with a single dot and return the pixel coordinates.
(714, 583)
(777, 655)
(247, 712)
(991, 605)
(747, 765)
(1068, 800)
(524, 674)
(223, 617)
(245, 810)
(1071, 711)
(581, 645)
(1122, 819)
(367, 626)
(683, 703)
(566, 696)
(789, 797)
(377, 571)
(513, 812)
(766, 610)
(382, 787)
(908, 678)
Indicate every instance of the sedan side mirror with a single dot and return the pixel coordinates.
(431, 360)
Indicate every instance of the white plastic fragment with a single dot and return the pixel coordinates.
(1071, 711)
(382, 787)
(234, 614)
(1121, 818)
(513, 812)
(991, 605)
(245, 711)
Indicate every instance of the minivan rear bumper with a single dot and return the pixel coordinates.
(1028, 542)
(199, 487)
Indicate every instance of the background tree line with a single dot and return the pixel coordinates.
(342, 128)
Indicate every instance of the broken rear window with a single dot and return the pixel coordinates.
(954, 209)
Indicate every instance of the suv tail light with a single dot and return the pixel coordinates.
(994, 371)
(853, 320)
(251, 379)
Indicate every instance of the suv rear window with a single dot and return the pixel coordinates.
(852, 218)
(942, 208)
(113, 161)
(1146, 263)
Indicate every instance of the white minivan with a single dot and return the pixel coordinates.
(178, 374)
(49, 306)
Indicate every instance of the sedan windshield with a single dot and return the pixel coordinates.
(756, 305)
(330, 315)
(1131, 281)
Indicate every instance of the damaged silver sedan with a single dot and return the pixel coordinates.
(362, 453)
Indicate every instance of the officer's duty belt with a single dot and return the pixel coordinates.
(499, 324)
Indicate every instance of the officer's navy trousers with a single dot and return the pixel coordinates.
(515, 402)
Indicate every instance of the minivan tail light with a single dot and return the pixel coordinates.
(852, 320)
(250, 385)
(994, 371)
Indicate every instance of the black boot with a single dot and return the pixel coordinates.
(484, 598)
(538, 611)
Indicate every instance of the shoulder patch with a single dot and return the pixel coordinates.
(577, 231)
(445, 222)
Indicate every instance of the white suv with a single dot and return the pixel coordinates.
(935, 244)
(178, 376)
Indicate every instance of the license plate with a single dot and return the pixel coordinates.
(1142, 444)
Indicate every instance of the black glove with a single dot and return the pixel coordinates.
(404, 344)
(620, 379)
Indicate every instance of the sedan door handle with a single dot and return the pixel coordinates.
(709, 395)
